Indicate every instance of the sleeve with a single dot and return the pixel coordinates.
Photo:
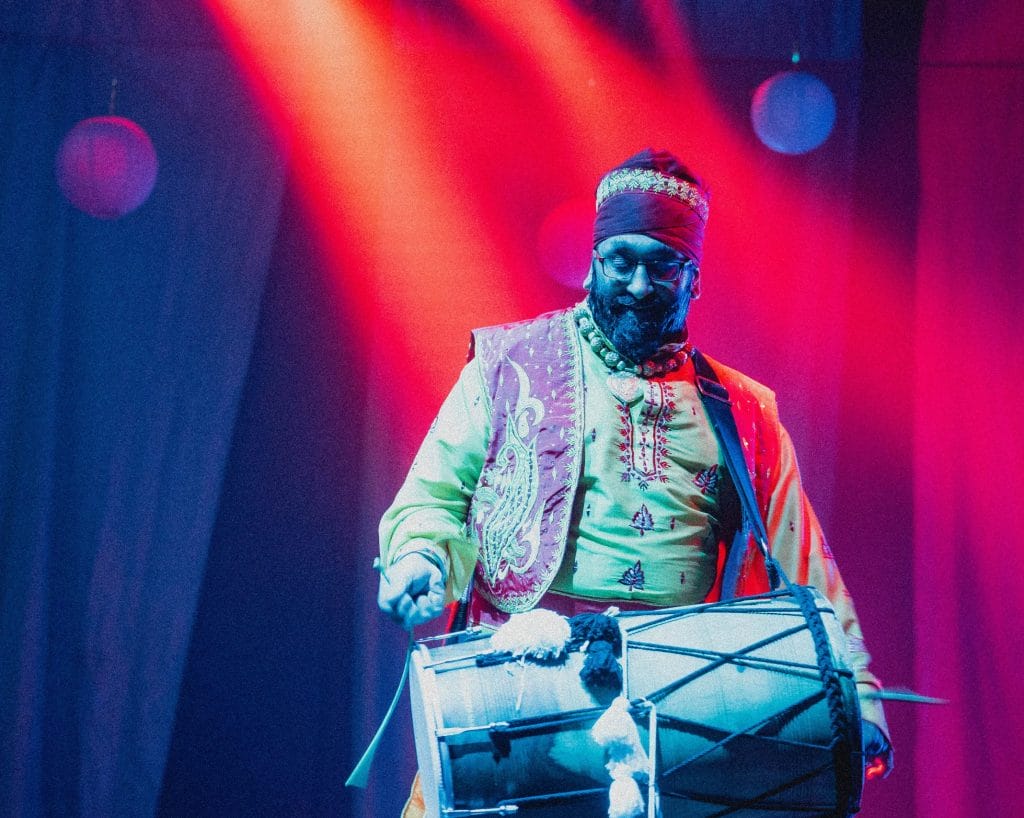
(799, 545)
(429, 512)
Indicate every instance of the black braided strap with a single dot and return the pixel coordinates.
(844, 734)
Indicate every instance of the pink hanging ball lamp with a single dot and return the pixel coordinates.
(106, 166)
(565, 241)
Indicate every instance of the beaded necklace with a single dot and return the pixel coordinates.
(669, 358)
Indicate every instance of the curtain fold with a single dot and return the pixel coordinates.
(969, 412)
(123, 351)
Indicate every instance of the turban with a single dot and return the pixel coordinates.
(655, 194)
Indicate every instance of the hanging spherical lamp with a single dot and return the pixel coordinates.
(565, 242)
(793, 112)
(106, 166)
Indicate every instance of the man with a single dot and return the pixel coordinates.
(574, 465)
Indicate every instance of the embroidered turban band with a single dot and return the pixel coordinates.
(654, 194)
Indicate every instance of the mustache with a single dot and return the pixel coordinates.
(628, 302)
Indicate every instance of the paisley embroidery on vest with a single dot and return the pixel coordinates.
(504, 505)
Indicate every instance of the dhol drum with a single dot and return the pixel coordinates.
(755, 706)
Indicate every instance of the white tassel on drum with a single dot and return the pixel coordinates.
(624, 798)
(536, 634)
(616, 732)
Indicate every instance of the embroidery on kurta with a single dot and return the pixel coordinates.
(642, 520)
(625, 386)
(707, 480)
(633, 578)
(644, 445)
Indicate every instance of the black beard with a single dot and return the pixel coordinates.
(637, 329)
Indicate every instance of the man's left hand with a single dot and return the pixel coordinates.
(878, 757)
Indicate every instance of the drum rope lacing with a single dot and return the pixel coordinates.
(841, 746)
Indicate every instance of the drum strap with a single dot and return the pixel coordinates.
(715, 398)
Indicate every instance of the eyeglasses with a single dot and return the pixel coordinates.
(620, 267)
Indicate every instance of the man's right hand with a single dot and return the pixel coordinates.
(412, 590)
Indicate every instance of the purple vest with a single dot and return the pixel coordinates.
(522, 506)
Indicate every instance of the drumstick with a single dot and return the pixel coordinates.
(361, 774)
(901, 694)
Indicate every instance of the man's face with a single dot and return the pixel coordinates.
(639, 315)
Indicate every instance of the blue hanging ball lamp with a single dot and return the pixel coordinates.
(793, 112)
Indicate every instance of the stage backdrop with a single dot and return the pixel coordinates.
(969, 408)
(124, 347)
(205, 406)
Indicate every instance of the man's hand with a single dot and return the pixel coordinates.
(412, 590)
(878, 758)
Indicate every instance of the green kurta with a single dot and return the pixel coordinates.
(648, 526)
(647, 513)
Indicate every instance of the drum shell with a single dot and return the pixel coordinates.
(476, 769)
(771, 694)
(783, 718)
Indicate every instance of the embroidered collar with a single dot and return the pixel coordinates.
(667, 359)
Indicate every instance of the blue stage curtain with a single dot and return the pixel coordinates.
(123, 351)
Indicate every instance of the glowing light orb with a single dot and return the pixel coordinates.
(106, 166)
(793, 112)
(565, 242)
